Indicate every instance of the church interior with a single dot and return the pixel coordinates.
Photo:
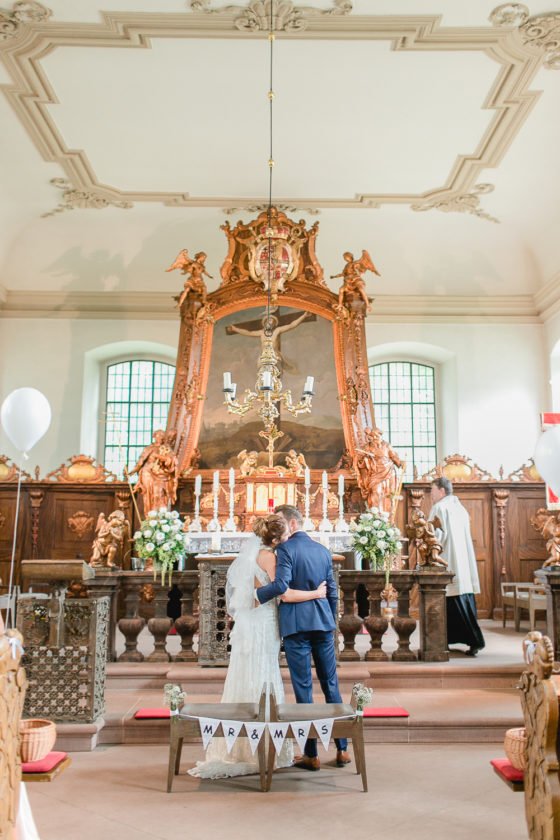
(261, 255)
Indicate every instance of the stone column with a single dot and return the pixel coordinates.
(550, 579)
(433, 614)
(376, 623)
(160, 625)
(187, 624)
(403, 624)
(350, 623)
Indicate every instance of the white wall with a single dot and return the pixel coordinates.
(493, 383)
(53, 355)
(493, 379)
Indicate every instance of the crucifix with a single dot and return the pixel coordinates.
(278, 325)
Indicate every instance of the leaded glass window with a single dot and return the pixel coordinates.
(405, 409)
(137, 400)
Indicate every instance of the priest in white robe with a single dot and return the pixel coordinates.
(458, 550)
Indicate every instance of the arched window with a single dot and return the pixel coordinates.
(405, 409)
(138, 393)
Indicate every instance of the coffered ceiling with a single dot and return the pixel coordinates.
(425, 132)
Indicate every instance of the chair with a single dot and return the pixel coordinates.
(521, 602)
(349, 726)
(508, 599)
(537, 603)
(182, 726)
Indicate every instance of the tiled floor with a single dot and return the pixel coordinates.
(417, 792)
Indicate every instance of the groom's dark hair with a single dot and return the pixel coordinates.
(289, 512)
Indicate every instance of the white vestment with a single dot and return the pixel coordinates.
(458, 549)
(253, 663)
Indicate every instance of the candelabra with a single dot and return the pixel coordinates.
(307, 522)
(230, 524)
(214, 524)
(341, 526)
(268, 394)
(325, 524)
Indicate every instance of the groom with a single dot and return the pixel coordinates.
(307, 628)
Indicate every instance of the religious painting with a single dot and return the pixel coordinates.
(304, 343)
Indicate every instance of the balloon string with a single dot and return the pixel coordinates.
(10, 610)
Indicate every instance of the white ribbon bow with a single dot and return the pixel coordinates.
(529, 653)
(15, 645)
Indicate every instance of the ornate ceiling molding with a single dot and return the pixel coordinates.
(541, 32)
(510, 97)
(284, 208)
(22, 13)
(255, 16)
(461, 203)
(73, 199)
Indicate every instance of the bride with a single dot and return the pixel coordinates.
(255, 645)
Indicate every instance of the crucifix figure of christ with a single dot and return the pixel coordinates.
(278, 325)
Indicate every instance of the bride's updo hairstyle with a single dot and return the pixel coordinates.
(270, 529)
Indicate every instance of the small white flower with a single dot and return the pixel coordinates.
(166, 528)
(363, 540)
(381, 544)
(175, 526)
(163, 510)
(377, 523)
(167, 546)
(179, 537)
(159, 537)
(152, 514)
(366, 517)
(353, 526)
(147, 533)
(149, 546)
(174, 514)
(137, 535)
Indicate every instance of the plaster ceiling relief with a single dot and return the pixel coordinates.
(442, 178)
(256, 14)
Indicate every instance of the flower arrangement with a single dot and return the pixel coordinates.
(376, 538)
(362, 695)
(174, 696)
(161, 539)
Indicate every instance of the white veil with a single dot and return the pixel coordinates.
(240, 588)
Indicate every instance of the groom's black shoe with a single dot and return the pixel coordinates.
(306, 762)
(342, 758)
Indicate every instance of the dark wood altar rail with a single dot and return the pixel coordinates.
(431, 585)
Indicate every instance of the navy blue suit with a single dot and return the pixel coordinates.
(307, 628)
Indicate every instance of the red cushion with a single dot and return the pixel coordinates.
(385, 712)
(506, 769)
(48, 763)
(152, 714)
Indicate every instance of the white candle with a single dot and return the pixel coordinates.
(341, 485)
(307, 477)
(267, 379)
(215, 541)
(198, 484)
(308, 387)
(227, 381)
(216, 483)
(231, 478)
(233, 390)
(325, 481)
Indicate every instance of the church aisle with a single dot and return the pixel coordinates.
(417, 792)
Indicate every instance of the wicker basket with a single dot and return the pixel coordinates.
(515, 743)
(37, 738)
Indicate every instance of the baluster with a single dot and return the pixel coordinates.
(376, 623)
(403, 624)
(187, 623)
(132, 624)
(160, 625)
(433, 614)
(350, 623)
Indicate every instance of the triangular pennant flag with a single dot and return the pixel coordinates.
(208, 727)
(254, 734)
(278, 732)
(300, 731)
(323, 728)
(231, 729)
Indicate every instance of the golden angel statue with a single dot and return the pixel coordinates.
(375, 469)
(547, 523)
(157, 470)
(422, 532)
(295, 462)
(248, 462)
(352, 275)
(112, 536)
(196, 269)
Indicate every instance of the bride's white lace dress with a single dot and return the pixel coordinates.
(255, 647)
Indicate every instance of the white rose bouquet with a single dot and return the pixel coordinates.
(375, 537)
(174, 696)
(362, 696)
(161, 538)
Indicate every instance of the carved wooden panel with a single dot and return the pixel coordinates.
(477, 505)
(67, 513)
(526, 550)
(7, 521)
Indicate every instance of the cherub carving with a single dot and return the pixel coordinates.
(422, 531)
(112, 535)
(353, 281)
(295, 462)
(194, 284)
(248, 462)
(547, 523)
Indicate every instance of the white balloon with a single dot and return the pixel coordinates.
(547, 457)
(25, 416)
